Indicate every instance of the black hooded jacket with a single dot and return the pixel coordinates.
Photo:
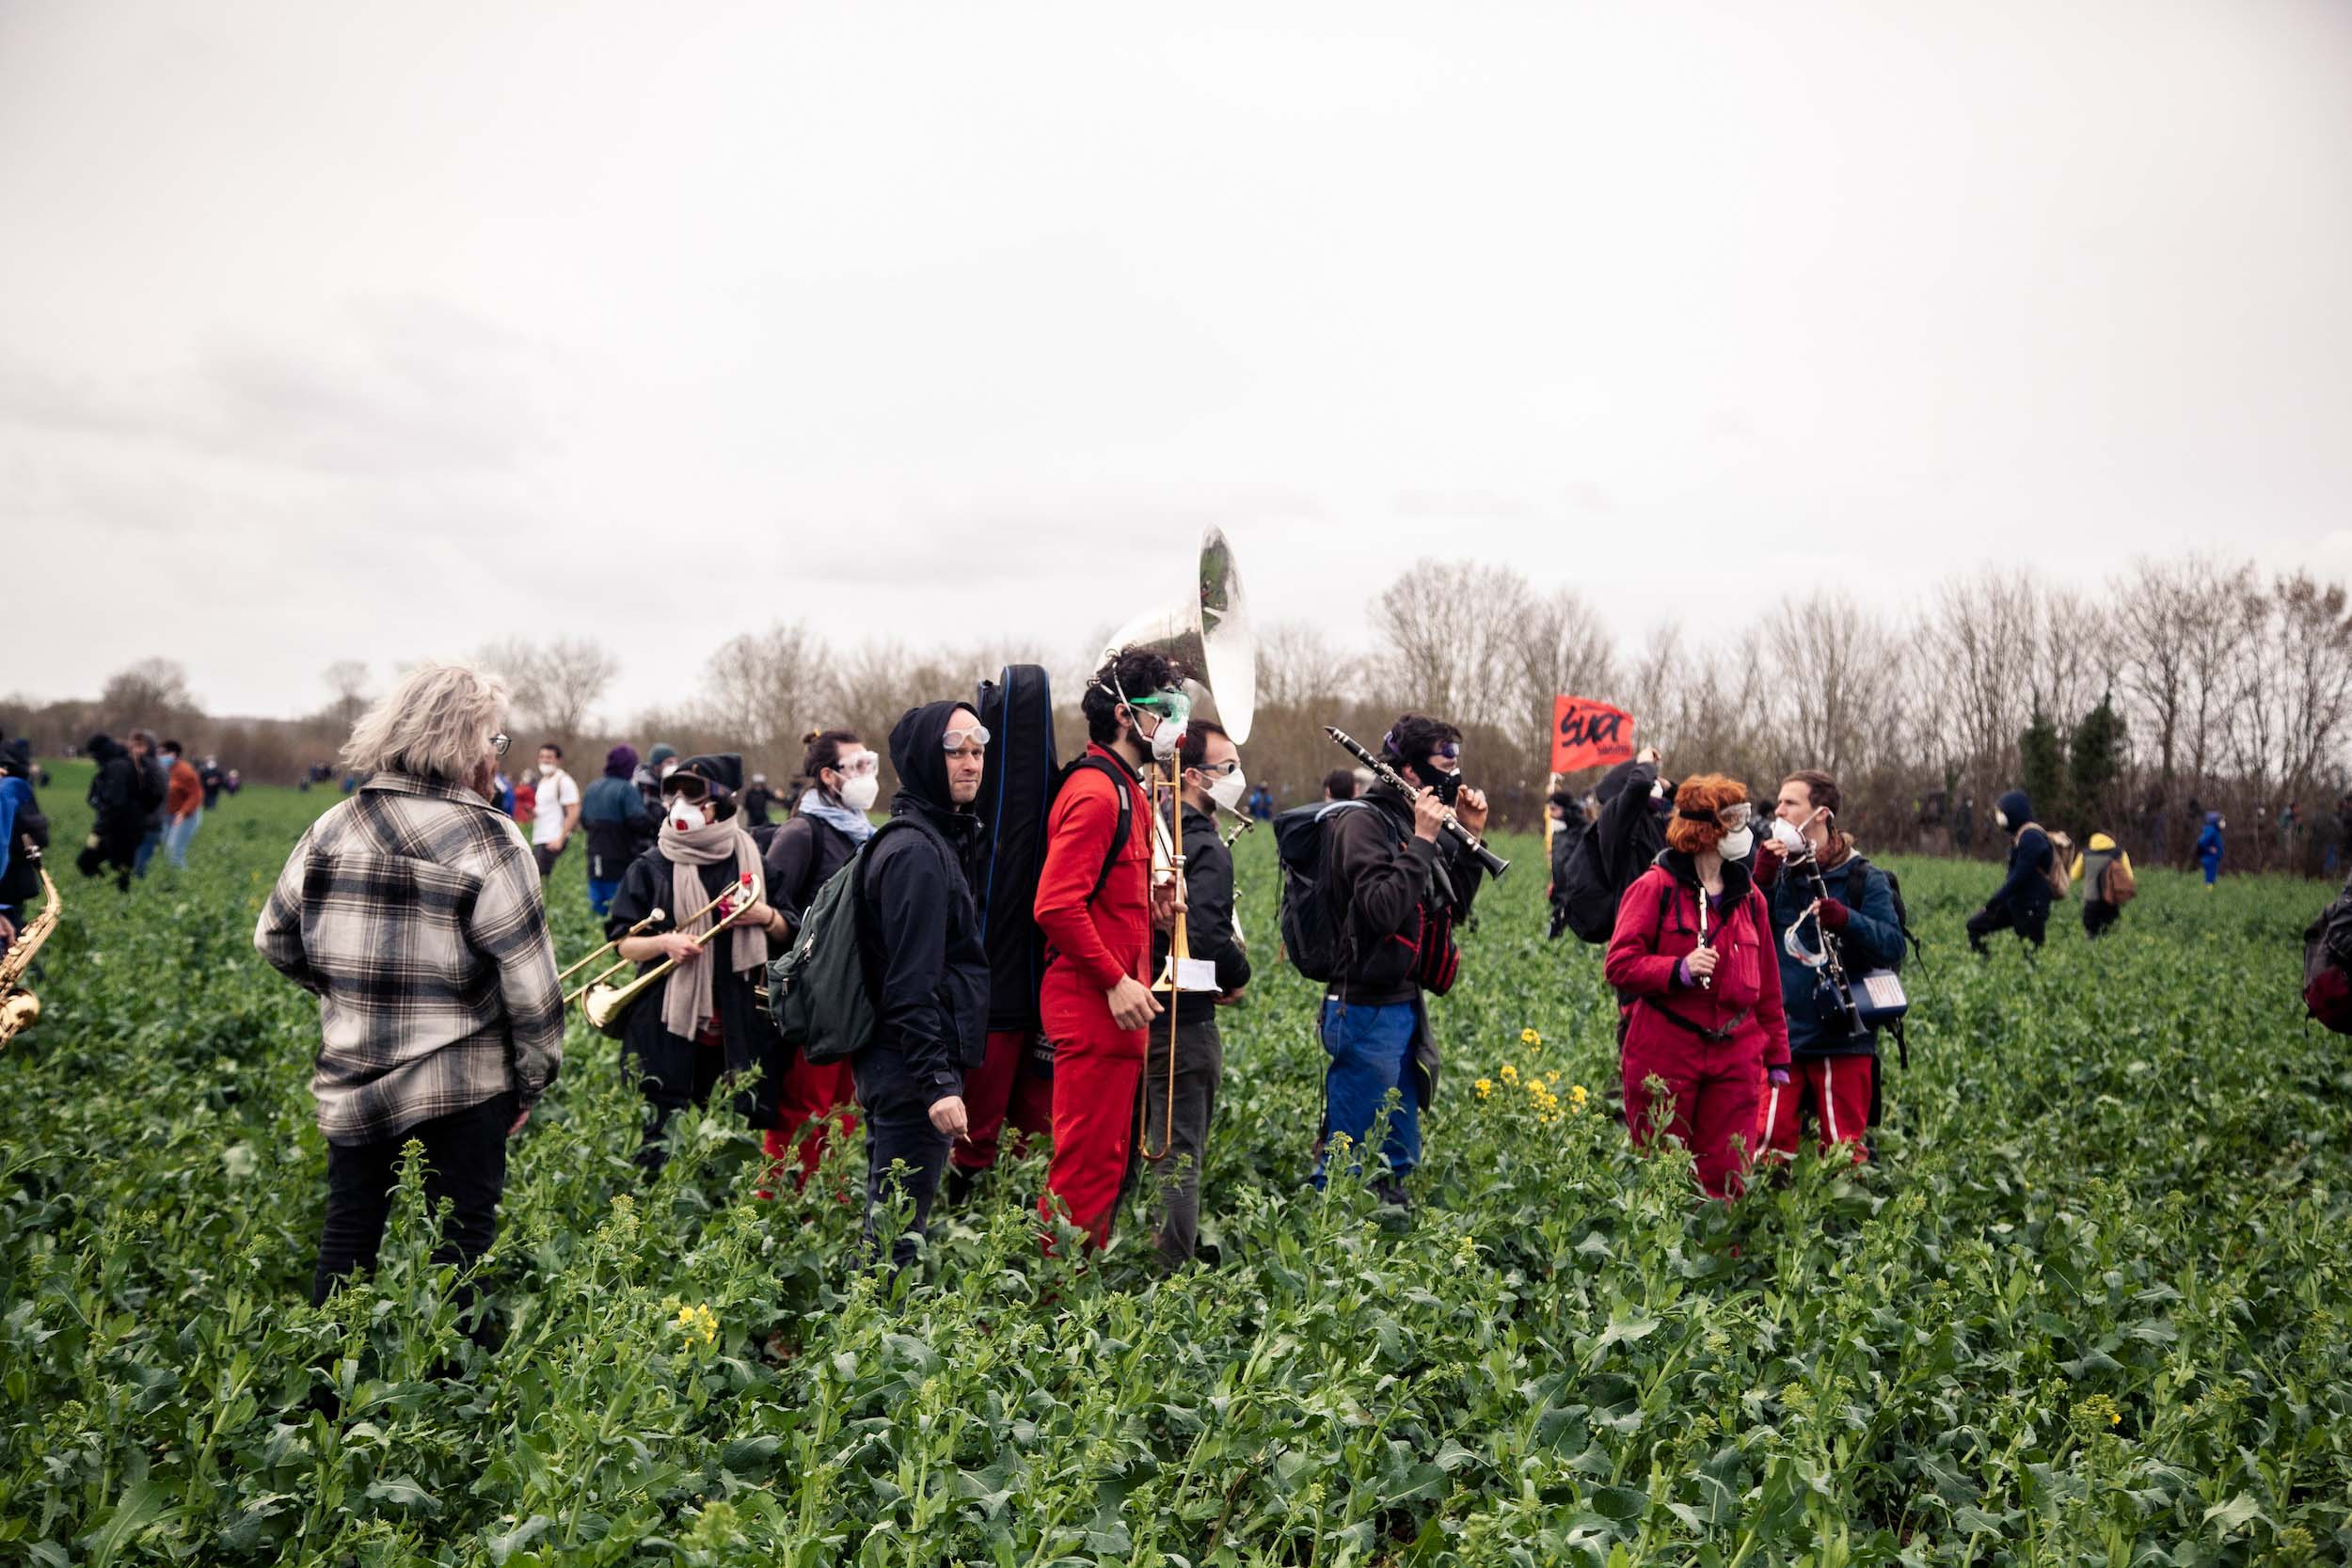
(923, 924)
(114, 792)
(2026, 890)
(1631, 830)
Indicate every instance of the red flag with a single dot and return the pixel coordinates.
(1585, 733)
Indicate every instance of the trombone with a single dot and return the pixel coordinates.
(607, 1005)
(637, 930)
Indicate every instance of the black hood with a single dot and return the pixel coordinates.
(103, 748)
(16, 757)
(919, 751)
(2017, 806)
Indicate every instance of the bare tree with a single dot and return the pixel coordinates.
(151, 691)
(1982, 633)
(2151, 612)
(1450, 631)
(347, 678)
(552, 684)
(764, 685)
(1298, 667)
(1828, 683)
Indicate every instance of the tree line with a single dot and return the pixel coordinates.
(2172, 689)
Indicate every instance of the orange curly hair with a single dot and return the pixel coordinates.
(1710, 793)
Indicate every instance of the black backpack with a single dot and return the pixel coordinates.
(2326, 969)
(1583, 898)
(823, 994)
(1314, 927)
(1903, 912)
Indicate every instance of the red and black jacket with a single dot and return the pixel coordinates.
(1404, 896)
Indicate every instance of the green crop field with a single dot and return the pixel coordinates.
(2090, 1307)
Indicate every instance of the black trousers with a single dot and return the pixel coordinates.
(1200, 1068)
(2030, 927)
(2098, 916)
(546, 857)
(464, 1161)
(114, 850)
(672, 1074)
(898, 1128)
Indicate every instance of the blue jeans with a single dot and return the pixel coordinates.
(176, 837)
(600, 895)
(150, 842)
(1370, 1049)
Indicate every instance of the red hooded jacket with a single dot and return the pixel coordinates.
(1658, 927)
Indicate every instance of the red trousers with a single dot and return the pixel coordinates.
(1837, 1089)
(818, 1100)
(1715, 1090)
(1096, 1068)
(1002, 1089)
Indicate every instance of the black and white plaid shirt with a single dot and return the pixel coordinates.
(413, 910)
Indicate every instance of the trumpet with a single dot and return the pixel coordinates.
(19, 1006)
(607, 1005)
(1495, 865)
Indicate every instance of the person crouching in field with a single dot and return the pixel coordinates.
(709, 1018)
(412, 910)
(1835, 1065)
(1697, 986)
(2104, 872)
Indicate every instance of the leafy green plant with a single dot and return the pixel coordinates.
(2088, 1305)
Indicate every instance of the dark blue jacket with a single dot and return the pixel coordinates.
(1873, 939)
(2209, 839)
(2026, 892)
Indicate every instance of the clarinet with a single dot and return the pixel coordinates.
(1495, 865)
(1839, 986)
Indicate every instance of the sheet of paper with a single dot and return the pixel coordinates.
(1195, 975)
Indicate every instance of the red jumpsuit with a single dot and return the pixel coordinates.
(1091, 942)
(1710, 1045)
(814, 1105)
(1002, 1089)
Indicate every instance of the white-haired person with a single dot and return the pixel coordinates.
(413, 911)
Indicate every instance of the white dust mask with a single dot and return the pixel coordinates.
(1787, 835)
(1735, 847)
(860, 793)
(1228, 791)
(686, 816)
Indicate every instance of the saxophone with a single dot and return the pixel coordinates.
(19, 1006)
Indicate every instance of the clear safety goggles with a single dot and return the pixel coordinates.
(957, 738)
(858, 765)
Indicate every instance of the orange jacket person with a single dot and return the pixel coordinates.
(1095, 909)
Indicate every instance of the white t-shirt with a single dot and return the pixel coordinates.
(557, 794)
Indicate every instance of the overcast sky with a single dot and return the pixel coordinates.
(338, 331)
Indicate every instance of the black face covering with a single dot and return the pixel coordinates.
(1446, 785)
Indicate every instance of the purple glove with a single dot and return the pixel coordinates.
(1683, 979)
(1777, 1077)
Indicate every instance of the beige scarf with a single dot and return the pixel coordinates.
(691, 995)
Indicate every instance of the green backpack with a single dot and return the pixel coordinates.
(823, 994)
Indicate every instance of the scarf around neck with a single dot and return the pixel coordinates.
(691, 995)
(834, 815)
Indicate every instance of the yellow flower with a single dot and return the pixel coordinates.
(1484, 1087)
(1576, 1095)
(1529, 1037)
(1551, 1078)
(700, 1325)
(1510, 1073)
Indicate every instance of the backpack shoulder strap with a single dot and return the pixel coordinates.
(1126, 819)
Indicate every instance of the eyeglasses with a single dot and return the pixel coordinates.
(957, 740)
(499, 743)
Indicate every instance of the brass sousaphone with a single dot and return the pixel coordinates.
(1208, 634)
